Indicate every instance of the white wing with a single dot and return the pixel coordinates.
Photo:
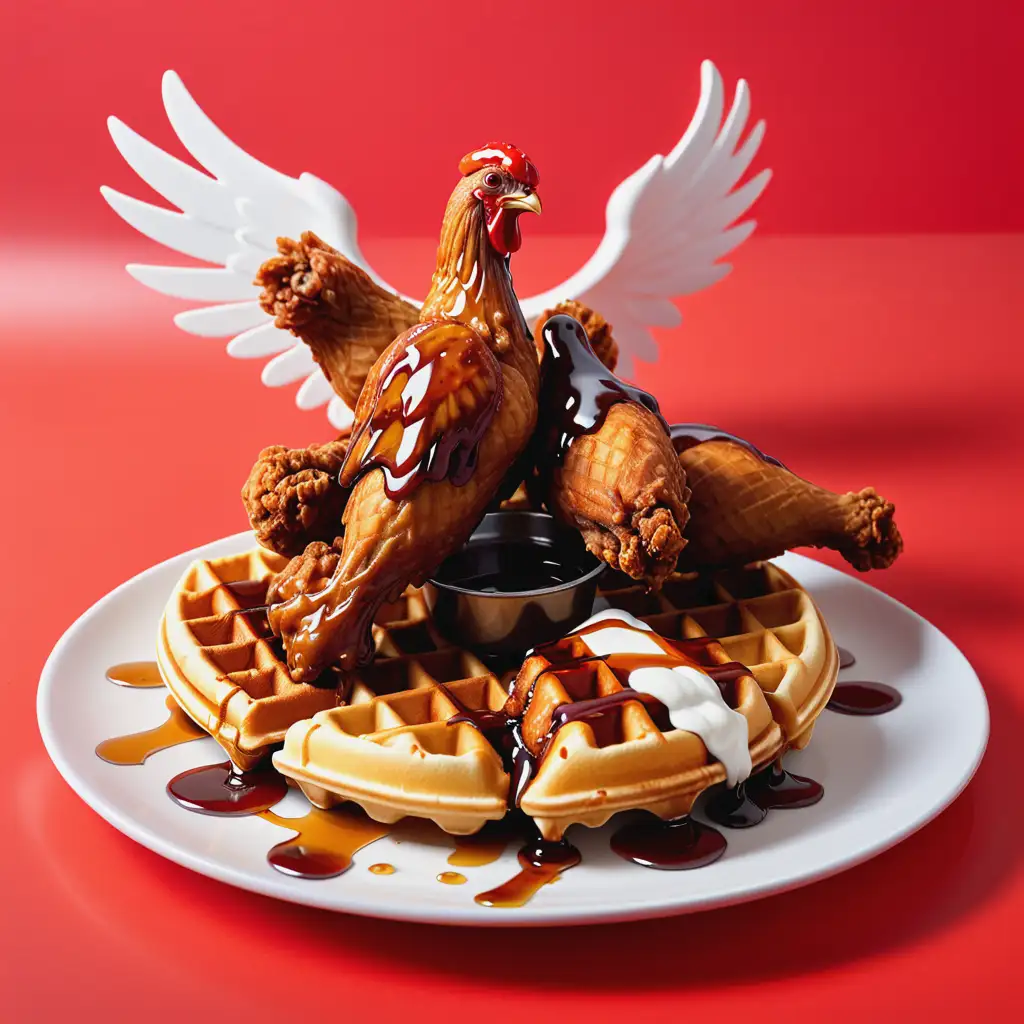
(668, 224)
(231, 218)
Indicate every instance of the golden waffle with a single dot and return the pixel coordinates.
(228, 673)
(397, 755)
(762, 619)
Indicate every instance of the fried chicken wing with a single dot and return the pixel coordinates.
(745, 507)
(293, 496)
(334, 307)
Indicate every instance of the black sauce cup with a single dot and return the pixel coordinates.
(473, 598)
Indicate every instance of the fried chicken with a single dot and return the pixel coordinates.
(465, 424)
(606, 461)
(336, 308)
(745, 507)
(293, 496)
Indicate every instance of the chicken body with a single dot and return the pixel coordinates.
(390, 543)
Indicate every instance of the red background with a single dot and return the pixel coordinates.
(869, 335)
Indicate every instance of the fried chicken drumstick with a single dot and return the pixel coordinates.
(444, 413)
(606, 461)
(335, 307)
(745, 506)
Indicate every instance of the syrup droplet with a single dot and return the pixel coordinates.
(541, 862)
(326, 841)
(381, 869)
(677, 845)
(846, 658)
(451, 878)
(772, 788)
(140, 675)
(864, 698)
(223, 790)
(137, 746)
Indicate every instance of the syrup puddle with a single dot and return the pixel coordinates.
(139, 675)
(137, 746)
(326, 841)
(677, 845)
(541, 864)
(846, 658)
(864, 698)
(224, 791)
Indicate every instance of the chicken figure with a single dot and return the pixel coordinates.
(442, 416)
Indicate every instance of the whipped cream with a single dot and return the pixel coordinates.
(692, 697)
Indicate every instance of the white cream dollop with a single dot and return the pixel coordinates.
(692, 697)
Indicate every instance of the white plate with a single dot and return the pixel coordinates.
(884, 777)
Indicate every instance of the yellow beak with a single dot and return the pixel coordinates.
(528, 201)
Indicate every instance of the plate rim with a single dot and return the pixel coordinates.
(793, 878)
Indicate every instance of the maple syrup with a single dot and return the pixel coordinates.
(138, 675)
(326, 841)
(137, 746)
(451, 878)
(224, 791)
(677, 845)
(381, 869)
(485, 846)
(541, 862)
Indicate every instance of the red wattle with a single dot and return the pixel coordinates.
(503, 231)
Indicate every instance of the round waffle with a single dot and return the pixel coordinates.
(398, 755)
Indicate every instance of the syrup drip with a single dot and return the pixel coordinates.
(485, 847)
(224, 791)
(578, 389)
(748, 803)
(139, 675)
(677, 845)
(688, 435)
(326, 841)
(541, 863)
(451, 878)
(846, 658)
(864, 698)
(137, 746)
(381, 869)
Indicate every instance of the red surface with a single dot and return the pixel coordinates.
(889, 361)
(883, 115)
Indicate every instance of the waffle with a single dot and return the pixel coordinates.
(228, 672)
(397, 755)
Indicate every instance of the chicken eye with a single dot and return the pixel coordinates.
(492, 179)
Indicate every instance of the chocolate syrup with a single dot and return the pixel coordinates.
(846, 658)
(864, 698)
(137, 746)
(435, 362)
(223, 790)
(326, 841)
(578, 389)
(748, 803)
(688, 435)
(677, 845)
(541, 862)
(140, 675)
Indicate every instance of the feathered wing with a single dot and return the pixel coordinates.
(231, 217)
(668, 224)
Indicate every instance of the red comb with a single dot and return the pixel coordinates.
(501, 154)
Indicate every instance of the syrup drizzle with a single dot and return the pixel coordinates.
(541, 863)
(688, 435)
(326, 841)
(138, 675)
(224, 791)
(676, 845)
(137, 746)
